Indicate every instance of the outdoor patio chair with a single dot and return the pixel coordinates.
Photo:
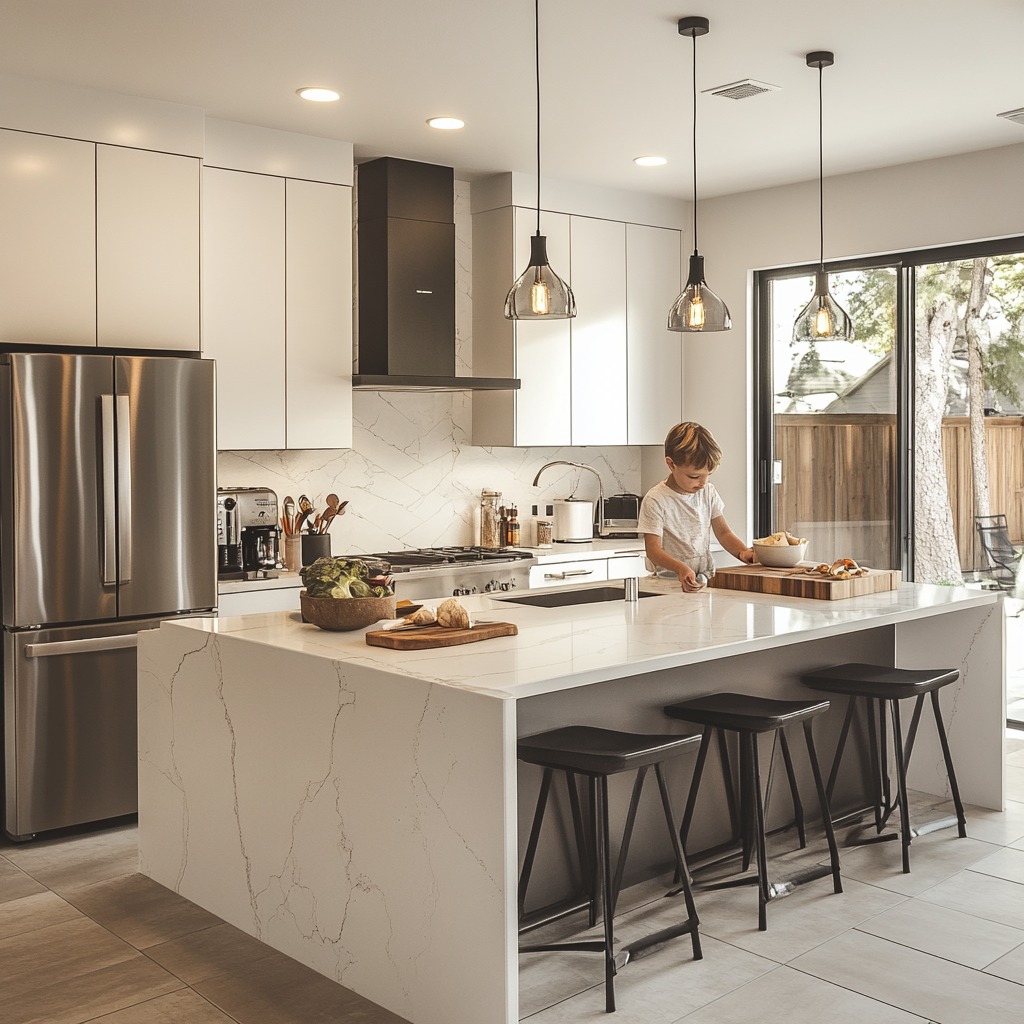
(1003, 557)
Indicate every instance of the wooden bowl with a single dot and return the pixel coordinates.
(780, 556)
(345, 613)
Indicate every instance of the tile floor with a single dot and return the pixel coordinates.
(84, 937)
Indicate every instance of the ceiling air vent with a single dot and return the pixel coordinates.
(1017, 116)
(742, 90)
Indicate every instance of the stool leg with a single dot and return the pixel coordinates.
(901, 771)
(746, 805)
(798, 807)
(840, 747)
(691, 798)
(627, 832)
(826, 813)
(915, 720)
(750, 740)
(604, 870)
(875, 755)
(682, 870)
(883, 762)
(531, 846)
(730, 796)
(584, 853)
(961, 819)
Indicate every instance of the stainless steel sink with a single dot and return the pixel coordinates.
(564, 598)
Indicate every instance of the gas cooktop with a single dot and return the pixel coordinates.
(441, 558)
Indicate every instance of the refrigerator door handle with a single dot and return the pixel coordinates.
(109, 499)
(124, 487)
(93, 643)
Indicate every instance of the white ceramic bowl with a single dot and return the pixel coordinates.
(780, 556)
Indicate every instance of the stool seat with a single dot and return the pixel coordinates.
(593, 751)
(880, 680)
(744, 712)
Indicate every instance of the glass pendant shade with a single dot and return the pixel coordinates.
(539, 293)
(698, 308)
(822, 318)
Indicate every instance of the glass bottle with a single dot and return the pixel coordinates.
(513, 527)
(490, 538)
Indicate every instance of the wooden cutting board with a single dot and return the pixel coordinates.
(760, 579)
(437, 636)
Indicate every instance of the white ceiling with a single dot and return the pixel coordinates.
(913, 79)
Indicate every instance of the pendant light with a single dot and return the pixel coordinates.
(698, 308)
(822, 318)
(539, 293)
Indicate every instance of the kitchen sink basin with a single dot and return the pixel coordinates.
(564, 598)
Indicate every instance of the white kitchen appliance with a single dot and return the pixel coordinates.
(574, 521)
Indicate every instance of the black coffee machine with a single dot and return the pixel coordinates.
(248, 535)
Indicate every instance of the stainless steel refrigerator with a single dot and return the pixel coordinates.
(107, 506)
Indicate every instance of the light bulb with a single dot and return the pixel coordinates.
(822, 322)
(540, 298)
(696, 317)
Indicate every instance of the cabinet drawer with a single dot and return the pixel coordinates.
(568, 574)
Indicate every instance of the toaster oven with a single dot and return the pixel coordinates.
(618, 515)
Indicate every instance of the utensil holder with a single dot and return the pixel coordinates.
(293, 552)
(314, 546)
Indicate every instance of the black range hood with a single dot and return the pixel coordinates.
(406, 217)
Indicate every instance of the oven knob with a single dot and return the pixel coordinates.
(511, 585)
(463, 591)
(492, 586)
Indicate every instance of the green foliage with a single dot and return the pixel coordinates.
(870, 299)
(340, 577)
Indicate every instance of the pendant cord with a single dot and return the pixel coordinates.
(694, 38)
(536, 43)
(821, 176)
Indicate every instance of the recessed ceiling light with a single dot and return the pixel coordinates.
(446, 123)
(649, 161)
(317, 95)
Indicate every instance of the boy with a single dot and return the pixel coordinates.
(678, 514)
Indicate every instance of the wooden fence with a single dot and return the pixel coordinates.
(841, 470)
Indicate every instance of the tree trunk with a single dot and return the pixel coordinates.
(976, 334)
(935, 552)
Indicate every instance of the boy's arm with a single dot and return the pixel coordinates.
(660, 557)
(730, 541)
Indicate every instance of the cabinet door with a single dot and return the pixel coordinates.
(654, 383)
(48, 227)
(147, 249)
(318, 338)
(599, 331)
(243, 305)
(543, 355)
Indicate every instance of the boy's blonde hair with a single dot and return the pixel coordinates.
(690, 444)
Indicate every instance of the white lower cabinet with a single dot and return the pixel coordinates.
(569, 573)
(610, 376)
(251, 602)
(277, 309)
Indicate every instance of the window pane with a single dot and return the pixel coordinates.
(835, 421)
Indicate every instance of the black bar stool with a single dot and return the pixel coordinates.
(597, 754)
(749, 716)
(879, 685)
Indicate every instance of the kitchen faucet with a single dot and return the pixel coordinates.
(599, 510)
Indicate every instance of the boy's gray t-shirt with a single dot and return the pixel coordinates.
(683, 521)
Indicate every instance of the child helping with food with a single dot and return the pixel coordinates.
(678, 515)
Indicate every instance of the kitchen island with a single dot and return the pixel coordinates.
(359, 809)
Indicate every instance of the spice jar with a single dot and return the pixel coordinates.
(490, 536)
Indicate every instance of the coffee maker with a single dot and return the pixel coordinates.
(248, 535)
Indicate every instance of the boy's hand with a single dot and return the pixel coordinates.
(688, 580)
(746, 555)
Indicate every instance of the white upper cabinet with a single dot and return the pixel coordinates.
(610, 376)
(277, 309)
(654, 372)
(318, 315)
(243, 305)
(48, 227)
(598, 331)
(147, 249)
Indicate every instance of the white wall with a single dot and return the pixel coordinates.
(935, 202)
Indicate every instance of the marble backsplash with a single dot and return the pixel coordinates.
(412, 477)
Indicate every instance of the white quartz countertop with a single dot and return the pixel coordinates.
(562, 648)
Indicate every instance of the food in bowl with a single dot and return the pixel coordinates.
(780, 550)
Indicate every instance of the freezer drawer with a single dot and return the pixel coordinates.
(70, 726)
